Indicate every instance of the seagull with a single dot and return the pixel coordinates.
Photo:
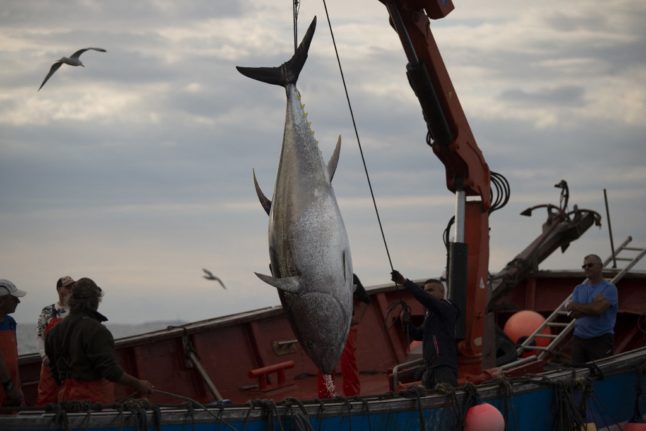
(209, 276)
(73, 60)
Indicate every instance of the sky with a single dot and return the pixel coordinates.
(136, 170)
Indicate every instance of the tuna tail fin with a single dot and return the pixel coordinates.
(286, 73)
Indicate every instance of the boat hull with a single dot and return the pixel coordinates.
(530, 403)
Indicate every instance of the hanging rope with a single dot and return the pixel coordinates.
(191, 403)
(300, 418)
(356, 132)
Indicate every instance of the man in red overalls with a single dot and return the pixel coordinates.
(49, 317)
(81, 351)
(11, 393)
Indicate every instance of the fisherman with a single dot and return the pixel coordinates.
(437, 332)
(49, 317)
(81, 351)
(11, 393)
(594, 305)
(348, 361)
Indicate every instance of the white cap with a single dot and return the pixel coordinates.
(8, 288)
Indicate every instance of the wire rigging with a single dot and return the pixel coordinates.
(356, 132)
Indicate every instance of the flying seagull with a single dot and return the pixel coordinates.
(209, 276)
(73, 60)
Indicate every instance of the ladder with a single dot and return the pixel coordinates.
(560, 321)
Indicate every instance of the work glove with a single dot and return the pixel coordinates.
(397, 277)
(14, 396)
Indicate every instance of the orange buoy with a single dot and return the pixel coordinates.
(484, 417)
(523, 324)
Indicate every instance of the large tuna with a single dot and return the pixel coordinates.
(308, 245)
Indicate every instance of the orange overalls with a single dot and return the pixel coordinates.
(9, 349)
(47, 386)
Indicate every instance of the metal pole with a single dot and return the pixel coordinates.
(202, 372)
(460, 197)
(612, 244)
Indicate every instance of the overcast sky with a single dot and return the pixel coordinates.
(136, 170)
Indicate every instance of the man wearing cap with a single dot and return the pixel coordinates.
(49, 317)
(10, 394)
(81, 351)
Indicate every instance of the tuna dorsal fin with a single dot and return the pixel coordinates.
(287, 73)
(287, 284)
(264, 201)
(334, 160)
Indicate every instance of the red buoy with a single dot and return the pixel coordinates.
(484, 417)
(635, 426)
(522, 324)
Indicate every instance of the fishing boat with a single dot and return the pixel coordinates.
(248, 370)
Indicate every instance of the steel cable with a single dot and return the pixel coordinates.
(356, 132)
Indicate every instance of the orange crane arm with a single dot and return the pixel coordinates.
(467, 174)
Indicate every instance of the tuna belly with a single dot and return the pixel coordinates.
(321, 323)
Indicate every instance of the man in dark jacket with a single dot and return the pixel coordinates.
(81, 351)
(437, 331)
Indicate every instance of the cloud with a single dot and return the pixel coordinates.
(136, 170)
(555, 97)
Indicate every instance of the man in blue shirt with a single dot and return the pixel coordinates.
(594, 305)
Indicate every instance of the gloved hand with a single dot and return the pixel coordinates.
(14, 396)
(397, 277)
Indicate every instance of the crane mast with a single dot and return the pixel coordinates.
(467, 176)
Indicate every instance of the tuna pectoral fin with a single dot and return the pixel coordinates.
(286, 73)
(287, 284)
(266, 203)
(334, 160)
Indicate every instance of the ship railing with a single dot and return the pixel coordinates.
(402, 368)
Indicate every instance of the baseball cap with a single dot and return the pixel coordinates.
(65, 281)
(8, 288)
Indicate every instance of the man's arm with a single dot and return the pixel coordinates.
(13, 393)
(439, 306)
(40, 332)
(102, 358)
(143, 387)
(598, 305)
